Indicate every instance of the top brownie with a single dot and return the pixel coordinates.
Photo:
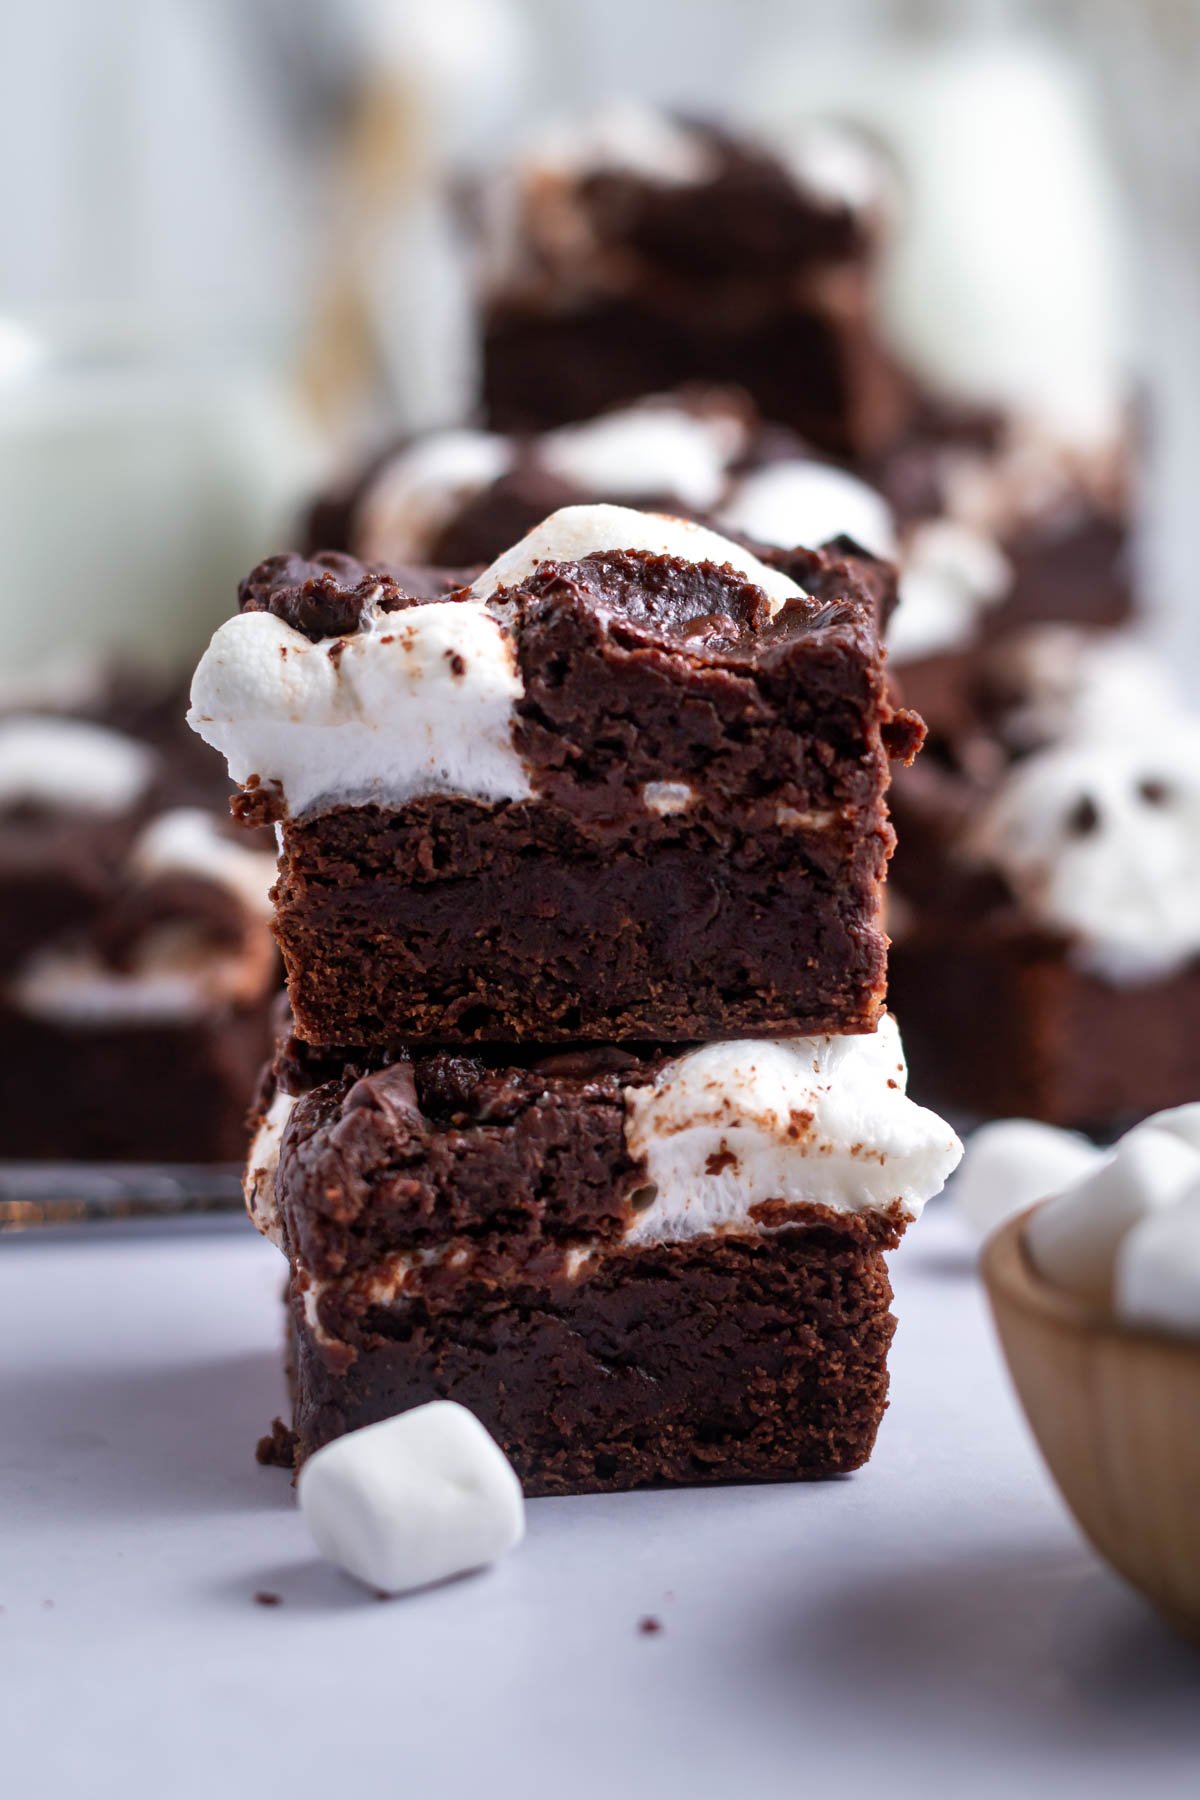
(630, 783)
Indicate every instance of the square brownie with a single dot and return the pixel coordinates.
(634, 1266)
(1044, 903)
(136, 964)
(639, 251)
(630, 784)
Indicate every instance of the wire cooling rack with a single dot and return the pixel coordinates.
(36, 1195)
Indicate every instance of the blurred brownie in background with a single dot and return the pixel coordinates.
(641, 250)
(462, 496)
(1044, 901)
(1006, 523)
(136, 963)
(991, 528)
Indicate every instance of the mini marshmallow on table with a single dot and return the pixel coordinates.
(1126, 1234)
(414, 1499)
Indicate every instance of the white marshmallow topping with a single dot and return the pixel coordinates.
(822, 1120)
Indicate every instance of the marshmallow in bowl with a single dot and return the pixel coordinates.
(1011, 1163)
(1074, 1240)
(822, 1121)
(61, 762)
(415, 1499)
(574, 532)
(1156, 1282)
(801, 501)
(1182, 1122)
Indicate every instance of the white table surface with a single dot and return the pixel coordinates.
(931, 1620)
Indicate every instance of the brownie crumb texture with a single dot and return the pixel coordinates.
(277, 1450)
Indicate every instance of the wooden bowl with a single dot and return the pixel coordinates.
(1116, 1414)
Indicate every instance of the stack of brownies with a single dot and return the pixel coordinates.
(588, 1113)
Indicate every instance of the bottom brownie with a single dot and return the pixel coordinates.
(662, 1265)
(721, 1359)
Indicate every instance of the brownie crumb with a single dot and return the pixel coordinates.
(264, 1598)
(278, 1449)
(650, 1626)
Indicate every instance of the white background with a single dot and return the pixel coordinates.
(932, 1625)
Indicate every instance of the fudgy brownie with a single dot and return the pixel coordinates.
(136, 966)
(1044, 908)
(630, 784)
(641, 251)
(634, 1266)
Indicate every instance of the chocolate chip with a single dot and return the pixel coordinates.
(643, 1198)
(649, 1626)
(1154, 791)
(263, 1598)
(1084, 817)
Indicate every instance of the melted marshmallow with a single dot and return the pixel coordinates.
(1071, 683)
(836, 165)
(188, 841)
(175, 979)
(821, 1120)
(416, 702)
(806, 502)
(262, 1166)
(574, 532)
(626, 137)
(951, 575)
(655, 448)
(420, 489)
(69, 763)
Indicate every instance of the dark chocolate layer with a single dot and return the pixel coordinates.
(433, 1146)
